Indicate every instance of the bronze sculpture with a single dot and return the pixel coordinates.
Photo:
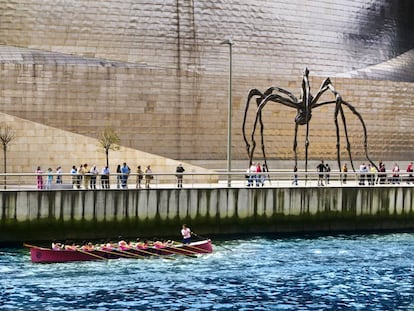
(304, 106)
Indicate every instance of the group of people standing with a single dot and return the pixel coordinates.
(323, 170)
(254, 174)
(122, 175)
(368, 173)
(86, 178)
(380, 177)
(49, 178)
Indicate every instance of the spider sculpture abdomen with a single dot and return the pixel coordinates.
(301, 118)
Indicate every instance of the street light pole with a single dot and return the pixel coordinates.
(230, 43)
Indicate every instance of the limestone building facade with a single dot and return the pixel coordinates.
(156, 72)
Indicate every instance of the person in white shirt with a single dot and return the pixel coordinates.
(186, 233)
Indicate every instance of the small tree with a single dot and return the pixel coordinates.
(109, 140)
(7, 134)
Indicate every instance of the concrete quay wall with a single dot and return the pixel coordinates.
(99, 214)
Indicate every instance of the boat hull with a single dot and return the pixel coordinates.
(46, 255)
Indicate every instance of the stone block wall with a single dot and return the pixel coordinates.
(39, 145)
(157, 73)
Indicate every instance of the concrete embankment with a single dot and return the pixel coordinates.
(99, 214)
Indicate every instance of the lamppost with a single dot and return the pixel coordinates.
(230, 43)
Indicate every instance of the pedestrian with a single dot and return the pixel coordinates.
(186, 233)
(410, 171)
(94, 174)
(59, 175)
(74, 173)
(362, 170)
(253, 173)
(321, 169)
(39, 178)
(378, 178)
(327, 175)
(396, 174)
(148, 176)
(265, 169)
(295, 176)
(383, 176)
(49, 179)
(81, 172)
(179, 170)
(118, 176)
(86, 176)
(105, 178)
(259, 176)
(345, 172)
(140, 174)
(373, 173)
(249, 177)
(125, 171)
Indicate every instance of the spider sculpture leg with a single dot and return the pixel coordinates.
(290, 101)
(327, 85)
(252, 93)
(273, 98)
(295, 144)
(348, 144)
(307, 100)
(339, 110)
(355, 112)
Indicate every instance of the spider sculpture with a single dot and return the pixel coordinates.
(304, 107)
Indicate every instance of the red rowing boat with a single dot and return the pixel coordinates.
(48, 255)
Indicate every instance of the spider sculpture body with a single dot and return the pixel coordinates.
(304, 106)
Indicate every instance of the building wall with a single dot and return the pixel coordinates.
(156, 72)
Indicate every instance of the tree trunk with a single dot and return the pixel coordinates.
(5, 164)
(107, 157)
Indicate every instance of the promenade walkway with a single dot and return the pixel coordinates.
(280, 179)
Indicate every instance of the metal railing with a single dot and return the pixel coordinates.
(15, 181)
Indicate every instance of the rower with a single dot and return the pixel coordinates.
(159, 244)
(88, 247)
(56, 246)
(107, 246)
(142, 245)
(123, 245)
(186, 233)
(71, 247)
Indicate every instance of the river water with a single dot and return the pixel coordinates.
(350, 272)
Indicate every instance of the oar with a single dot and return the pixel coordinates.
(132, 254)
(183, 247)
(91, 254)
(114, 252)
(163, 249)
(186, 250)
(33, 246)
(203, 238)
(153, 254)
